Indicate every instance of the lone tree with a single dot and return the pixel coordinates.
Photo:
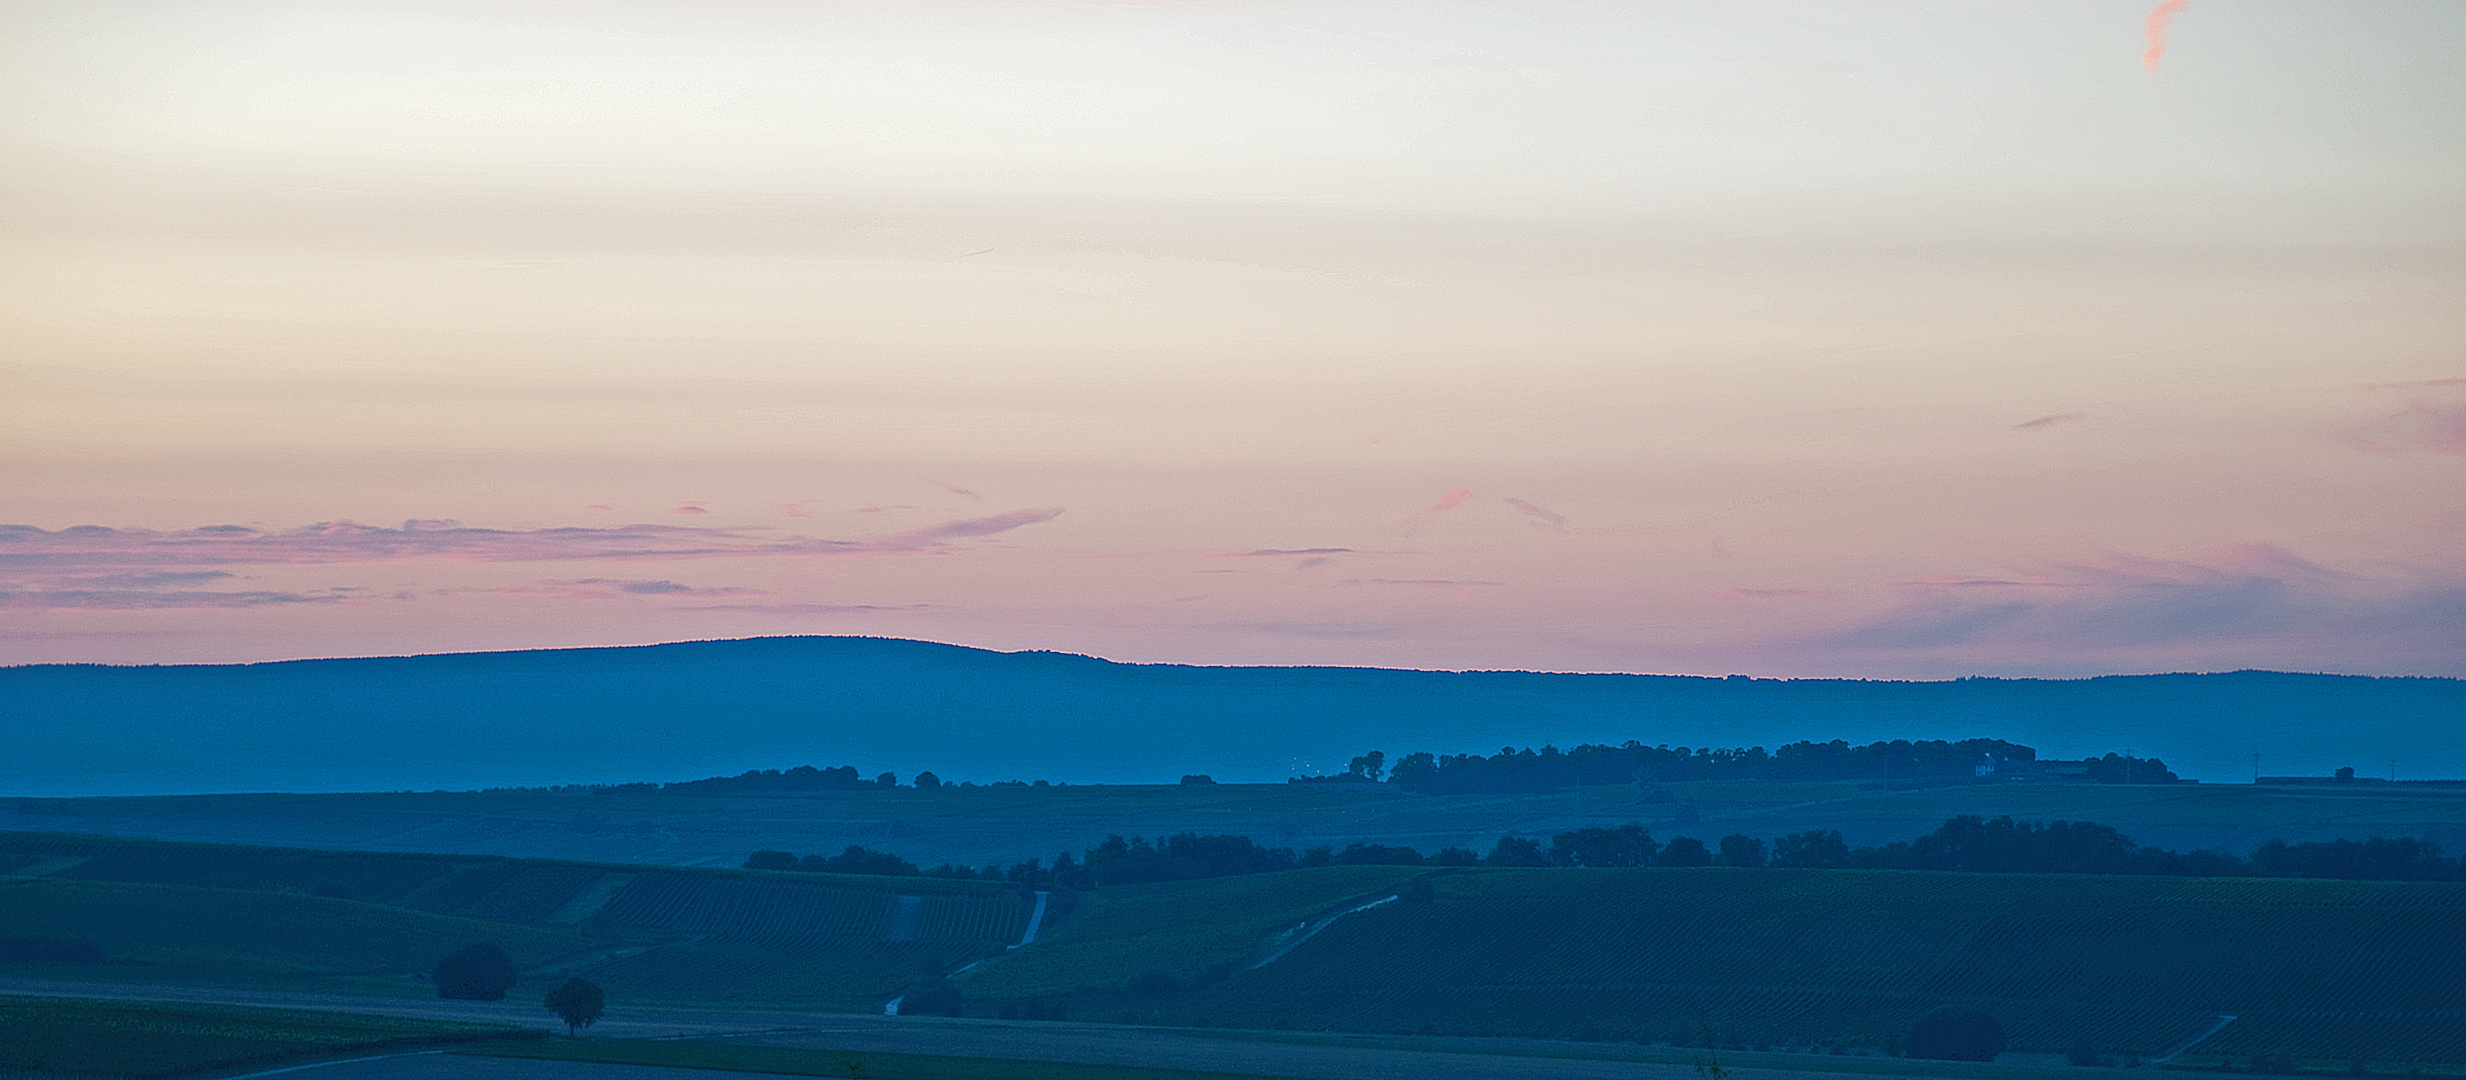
(1956, 1035)
(579, 1003)
(479, 972)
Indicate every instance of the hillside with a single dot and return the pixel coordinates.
(377, 922)
(2322, 970)
(693, 709)
(1005, 825)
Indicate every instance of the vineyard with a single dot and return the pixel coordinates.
(1798, 958)
(1181, 928)
(180, 931)
(205, 912)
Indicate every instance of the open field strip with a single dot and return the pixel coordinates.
(159, 1039)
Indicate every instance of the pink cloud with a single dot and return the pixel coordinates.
(953, 488)
(1447, 502)
(793, 510)
(688, 508)
(599, 506)
(2153, 28)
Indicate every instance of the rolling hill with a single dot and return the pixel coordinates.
(693, 709)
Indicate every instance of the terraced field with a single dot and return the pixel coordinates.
(2320, 969)
(222, 913)
(1180, 928)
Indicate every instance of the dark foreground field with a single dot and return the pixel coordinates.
(637, 1043)
(1833, 963)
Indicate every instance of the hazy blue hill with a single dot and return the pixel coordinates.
(692, 709)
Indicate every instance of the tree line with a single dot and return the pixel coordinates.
(1967, 843)
(1526, 770)
(1517, 771)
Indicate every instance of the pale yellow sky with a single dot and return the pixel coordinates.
(1896, 339)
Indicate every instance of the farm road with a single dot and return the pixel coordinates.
(1431, 1059)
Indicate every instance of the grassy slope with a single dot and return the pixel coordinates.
(665, 934)
(1181, 928)
(2316, 968)
(187, 932)
(1006, 825)
(794, 1061)
(142, 1039)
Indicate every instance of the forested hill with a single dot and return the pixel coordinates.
(702, 708)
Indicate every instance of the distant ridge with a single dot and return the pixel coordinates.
(692, 709)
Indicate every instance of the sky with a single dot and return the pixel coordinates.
(1895, 339)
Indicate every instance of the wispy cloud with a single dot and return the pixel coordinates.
(789, 608)
(1275, 552)
(936, 535)
(599, 589)
(1446, 502)
(2251, 592)
(2434, 421)
(2051, 421)
(2153, 29)
(953, 488)
(156, 600)
(1530, 510)
(87, 548)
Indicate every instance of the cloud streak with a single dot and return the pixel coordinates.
(1449, 501)
(2252, 593)
(2051, 421)
(1530, 510)
(2154, 27)
(25, 548)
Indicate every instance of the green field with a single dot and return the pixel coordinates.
(377, 922)
(186, 932)
(99, 1039)
(1181, 928)
(973, 826)
(797, 1061)
(2314, 969)
(2321, 969)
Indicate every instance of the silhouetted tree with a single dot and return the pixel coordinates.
(1516, 851)
(767, 859)
(1815, 848)
(1955, 1035)
(1626, 845)
(1738, 849)
(579, 1003)
(480, 972)
(927, 781)
(1685, 851)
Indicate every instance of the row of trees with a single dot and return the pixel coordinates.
(1550, 769)
(1967, 843)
